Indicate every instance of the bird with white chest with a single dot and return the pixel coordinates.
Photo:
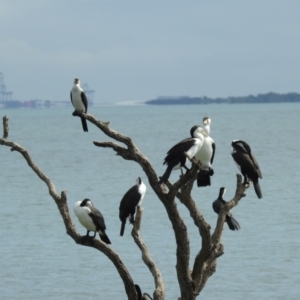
(206, 156)
(79, 101)
(132, 198)
(177, 155)
(91, 218)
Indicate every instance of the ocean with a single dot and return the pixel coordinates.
(40, 261)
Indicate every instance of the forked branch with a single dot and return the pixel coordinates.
(159, 292)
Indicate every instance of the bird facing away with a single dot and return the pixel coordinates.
(139, 292)
(206, 156)
(247, 164)
(132, 198)
(176, 157)
(217, 206)
(79, 101)
(91, 218)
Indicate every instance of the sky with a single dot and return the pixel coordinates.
(138, 50)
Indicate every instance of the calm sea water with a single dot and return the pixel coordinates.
(39, 260)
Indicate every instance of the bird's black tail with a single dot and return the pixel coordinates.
(104, 238)
(203, 178)
(165, 177)
(84, 124)
(257, 189)
(233, 224)
(122, 228)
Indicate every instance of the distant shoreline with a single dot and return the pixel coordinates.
(165, 100)
(261, 98)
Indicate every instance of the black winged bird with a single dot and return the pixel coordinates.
(91, 218)
(133, 197)
(217, 205)
(79, 101)
(176, 159)
(247, 164)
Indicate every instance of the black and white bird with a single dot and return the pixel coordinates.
(132, 198)
(206, 156)
(145, 296)
(247, 164)
(91, 218)
(79, 101)
(217, 205)
(176, 158)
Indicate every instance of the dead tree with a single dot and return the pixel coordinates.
(190, 281)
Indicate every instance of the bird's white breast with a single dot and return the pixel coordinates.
(82, 213)
(195, 148)
(205, 153)
(76, 98)
(142, 191)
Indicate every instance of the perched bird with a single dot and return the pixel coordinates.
(133, 197)
(247, 164)
(91, 218)
(79, 101)
(176, 158)
(217, 206)
(206, 122)
(206, 156)
(139, 292)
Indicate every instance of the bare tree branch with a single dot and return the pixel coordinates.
(159, 292)
(123, 152)
(61, 202)
(191, 282)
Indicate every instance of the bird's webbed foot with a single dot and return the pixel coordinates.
(87, 238)
(131, 220)
(186, 168)
(247, 182)
(77, 113)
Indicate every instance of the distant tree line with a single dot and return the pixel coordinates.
(260, 98)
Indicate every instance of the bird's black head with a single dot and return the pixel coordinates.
(86, 202)
(76, 81)
(139, 180)
(222, 192)
(241, 145)
(193, 129)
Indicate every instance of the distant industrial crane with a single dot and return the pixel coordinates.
(4, 95)
(89, 93)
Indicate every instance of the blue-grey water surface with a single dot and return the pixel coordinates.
(40, 261)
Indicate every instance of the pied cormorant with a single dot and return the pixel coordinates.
(91, 218)
(217, 205)
(176, 158)
(206, 156)
(79, 101)
(133, 197)
(247, 164)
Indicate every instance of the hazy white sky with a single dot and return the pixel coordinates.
(137, 50)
